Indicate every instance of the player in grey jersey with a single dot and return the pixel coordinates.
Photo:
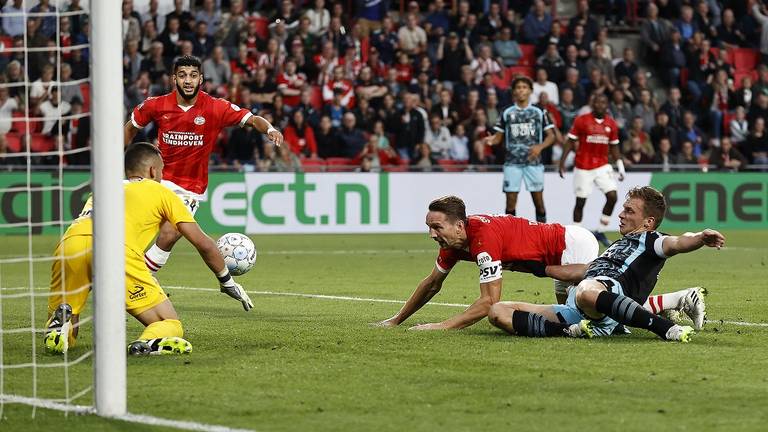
(526, 131)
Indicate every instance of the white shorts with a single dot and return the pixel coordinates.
(580, 248)
(602, 177)
(191, 200)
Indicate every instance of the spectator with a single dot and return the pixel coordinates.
(484, 63)
(41, 89)
(627, 66)
(263, 90)
(636, 129)
(636, 155)
(739, 127)
(244, 64)
(286, 160)
(149, 35)
(215, 69)
(8, 104)
(756, 144)
(759, 13)
(319, 18)
(131, 25)
(598, 83)
(646, 109)
(186, 19)
(554, 37)
(412, 38)
(543, 85)
(686, 25)
(654, 33)
(425, 158)
(616, 11)
(727, 158)
(674, 59)
(585, 20)
(47, 23)
(572, 60)
(688, 131)
(743, 96)
(377, 156)
(602, 40)
(568, 109)
(381, 136)
(553, 63)
(459, 144)
(280, 112)
(369, 86)
(493, 22)
(452, 57)
(13, 25)
(409, 129)
(701, 66)
(438, 138)
(664, 156)
(172, 37)
(620, 110)
(232, 25)
(579, 40)
(300, 136)
(70, 91)
(598, 61)
(386, 41)
(327, 139)
(686, 155)
(537, 23)
(210, 16)
(365, 115)
(572, 83)
(351, 138)
(242, 149)
(445, 109)
(404, 69)
(728, 33)
(153, 15)
(202, 42)
(718, 94)
(759, 109)
(674, 108)
(342, 85)
(138, 91)
(290, 83)
(507, 49)
(662, 130)
(52, 108)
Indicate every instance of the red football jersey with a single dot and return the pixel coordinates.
(501, 240)
(594, 136)
(186, 138)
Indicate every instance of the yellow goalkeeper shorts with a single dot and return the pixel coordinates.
(71, 277)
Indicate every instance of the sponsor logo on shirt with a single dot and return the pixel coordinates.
(199, 120)
(183, 139)
(523, 129)
(597, 139)
(234, 107)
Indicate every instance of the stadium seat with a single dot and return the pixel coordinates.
(317, 98)
(745, 59)
(42, 143)
(17, 124)
(85, 89)
(262, 27)
(529, 55)
(727, 117)
(395, 168)
(313, 165)
(739, 75)
(338, 164)
(13, 142)
(502, 80)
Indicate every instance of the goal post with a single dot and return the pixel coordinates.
(109, 209)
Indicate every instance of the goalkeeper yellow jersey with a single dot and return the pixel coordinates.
(147, 205)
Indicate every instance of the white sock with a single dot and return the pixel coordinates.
(662, 302)
(604, 221)
(155, 258)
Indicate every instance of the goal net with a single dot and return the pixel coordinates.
(60, 140)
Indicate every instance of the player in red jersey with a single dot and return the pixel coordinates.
(188, 123)
(496, 243)
(597, 134)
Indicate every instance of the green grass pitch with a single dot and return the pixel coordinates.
(300, 363)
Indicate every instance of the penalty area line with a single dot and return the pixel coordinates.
(129, 417)
(378, 300)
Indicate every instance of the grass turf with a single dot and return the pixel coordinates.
(298, 363)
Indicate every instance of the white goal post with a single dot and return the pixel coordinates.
(109, 209)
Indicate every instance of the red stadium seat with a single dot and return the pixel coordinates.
(450, 165)
(745, 59)
(312, 165)
(739, 75)
(727, 117)
(529, 55)
(85, 89)
(317, 97)
(42, 143)
(17, 124)
(13, 142)
(337, 164)
(395, 168)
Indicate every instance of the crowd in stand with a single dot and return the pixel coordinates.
(360, 82)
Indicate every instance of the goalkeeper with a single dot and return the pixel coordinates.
(147, 205)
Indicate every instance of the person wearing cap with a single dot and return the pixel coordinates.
(526, 130)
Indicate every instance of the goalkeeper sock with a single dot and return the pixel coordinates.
(155, 258)
(535, 325)
(628, 312)
(162, 329)
(662, 302)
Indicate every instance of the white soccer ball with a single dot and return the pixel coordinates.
(238, 251)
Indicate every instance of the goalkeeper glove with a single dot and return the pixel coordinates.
(233, 289)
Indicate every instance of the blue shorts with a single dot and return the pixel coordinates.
(569, 313)
(533, 175)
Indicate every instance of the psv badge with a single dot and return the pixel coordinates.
(199, 120)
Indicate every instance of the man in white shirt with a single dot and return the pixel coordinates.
(543, 85)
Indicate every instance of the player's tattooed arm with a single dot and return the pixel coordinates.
(490, 293)
(424, 292)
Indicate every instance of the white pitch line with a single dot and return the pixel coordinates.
(377, 300)
(129, 417)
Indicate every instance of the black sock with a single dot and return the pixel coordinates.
(511, 212)
(627, 311)
(541, 217)
(535, 325)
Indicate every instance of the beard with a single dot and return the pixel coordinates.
(180, 91)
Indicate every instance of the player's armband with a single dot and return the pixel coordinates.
(490, 270)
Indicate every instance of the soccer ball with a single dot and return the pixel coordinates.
(238, 251)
